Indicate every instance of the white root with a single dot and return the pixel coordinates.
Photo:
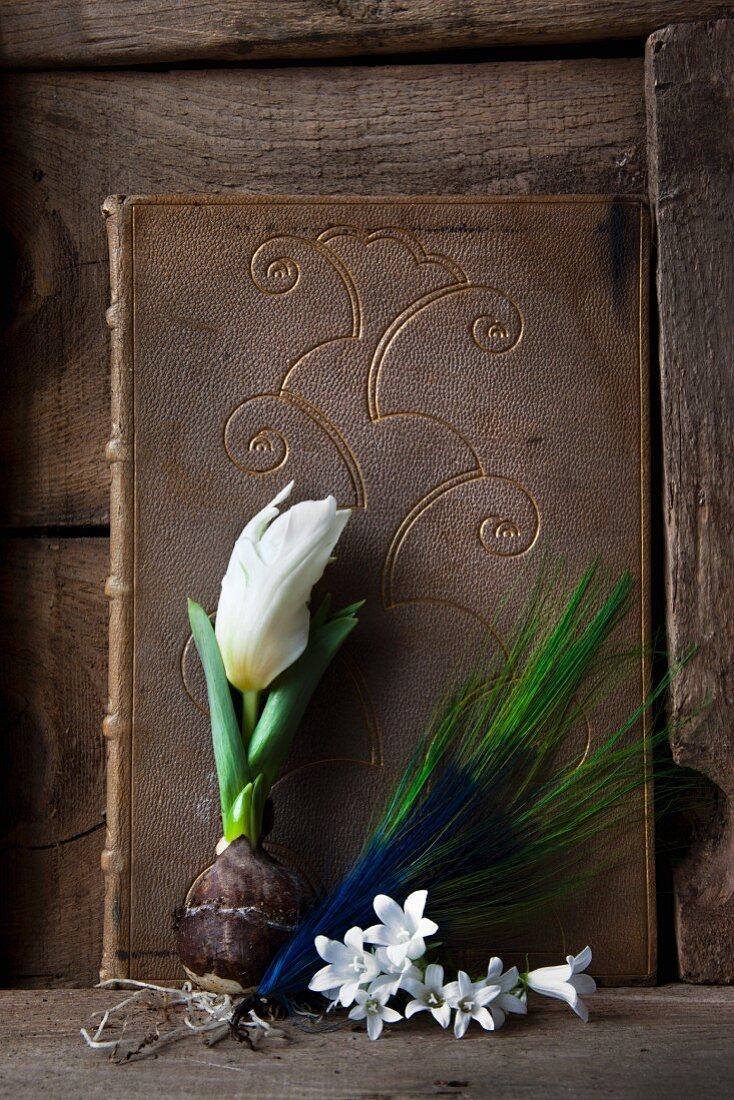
(204, 1014)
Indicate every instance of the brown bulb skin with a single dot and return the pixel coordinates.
(238, 913)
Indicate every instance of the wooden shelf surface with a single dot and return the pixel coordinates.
(673, 1040)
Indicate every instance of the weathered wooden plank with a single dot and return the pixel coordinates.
(690, 95)
(71, 139)
(653, 1043)
(78, 33)
(52, 682)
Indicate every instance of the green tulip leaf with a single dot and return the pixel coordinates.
(237, 819)
(292, 691)
(229, 752)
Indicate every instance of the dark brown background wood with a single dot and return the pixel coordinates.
(71, 138)
(68, 33)
(53, 685)
(690, 96)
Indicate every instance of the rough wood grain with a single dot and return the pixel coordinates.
(71, 139)
(639, 1043)
(52, 681)
(77, 33)
(690, 94)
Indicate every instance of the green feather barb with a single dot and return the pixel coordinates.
(490, 816)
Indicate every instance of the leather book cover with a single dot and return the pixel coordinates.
(471, 377)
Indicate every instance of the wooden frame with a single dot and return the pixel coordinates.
(75, 136)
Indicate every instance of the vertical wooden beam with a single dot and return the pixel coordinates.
(690, 105)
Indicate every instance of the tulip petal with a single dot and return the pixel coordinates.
(257, 525)
(263, 618)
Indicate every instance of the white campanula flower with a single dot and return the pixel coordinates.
(393, 977)
(263, 619)
(372, 1007)
(402, 931)
(429, 995)
(349, 967)
(507, 1001)
(470, 1000)
(566, 983)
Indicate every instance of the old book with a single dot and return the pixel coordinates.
(471, 376)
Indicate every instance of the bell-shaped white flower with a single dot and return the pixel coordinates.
(393, 977)
(263, 619)
(402, 931)
(429, 995)
(507, 1001)
(470, 1000)
(566, 983)
(372, 1007)
(349, 967)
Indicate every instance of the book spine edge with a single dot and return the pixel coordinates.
(119, 588)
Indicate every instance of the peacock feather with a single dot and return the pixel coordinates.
(489, 816)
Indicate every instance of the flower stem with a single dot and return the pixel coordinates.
(250, 714)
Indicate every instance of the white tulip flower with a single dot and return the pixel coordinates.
(566, 983)
(402, 931)
(262, 619)
(372, 1007)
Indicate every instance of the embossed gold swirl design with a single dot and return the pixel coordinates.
(255, 446)
(401, 236)
(495, 326)
(504, 537)
(491, 334)
(279, 276)
(267, 450)
(275, 271)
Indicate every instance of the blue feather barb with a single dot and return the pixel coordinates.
(489, 816)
